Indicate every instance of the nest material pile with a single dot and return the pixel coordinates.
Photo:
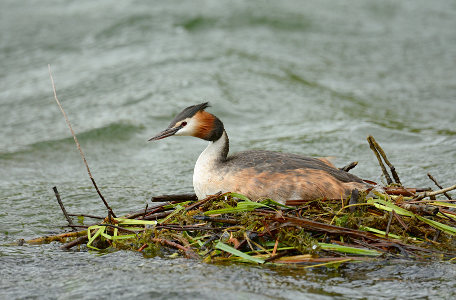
(230, 227)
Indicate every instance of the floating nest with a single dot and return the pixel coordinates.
(230, 227)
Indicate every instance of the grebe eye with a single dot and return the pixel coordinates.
(183, 124)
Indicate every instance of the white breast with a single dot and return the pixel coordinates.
(205, 173)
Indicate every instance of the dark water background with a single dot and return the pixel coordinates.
(312, 77)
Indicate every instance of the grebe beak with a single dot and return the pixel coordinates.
(165, 133)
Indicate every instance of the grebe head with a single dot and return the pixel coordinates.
(194, 121)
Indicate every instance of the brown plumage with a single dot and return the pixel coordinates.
(207, 123)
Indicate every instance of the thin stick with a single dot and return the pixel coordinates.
(78, 241)
(276, 256)
(189, 228)
(435, 193)
(177, 198)
(275, 247)
(439, 186)
(188, 252)
(79, 146)
(428, 201)
(145, 210)
(389, 223)
(158, 215)
(142, 247)
(120, 228)
(380, 162)
(436, 236)
(446, 216)
(399, 219)
(201, 202)
(150, 210)
(77, 226)
(382, 153)
(59, 238)
(88, 216)
(57, 195)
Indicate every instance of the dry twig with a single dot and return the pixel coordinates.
(434, 193)
(370, 139)
(57, 195)
(383, 154)
(78, 145)
(80, 240)
(175, 198)
(438, 185)
(188, 252)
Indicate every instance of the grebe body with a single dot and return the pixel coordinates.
(256, 174)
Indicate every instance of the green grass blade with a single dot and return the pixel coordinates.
(348, 250)
(335, 264)
(272, 202)
(177, 210)
(239, 196)
(224, 211)
(382, 233)
(241, 207)
(101, 229)
(442, 203)
(251, 205)
(446, 215)
(270, 250)
(122, 237)
(388, 206)
(229, 249)
(123, 221)
(385, 205)
(448, 229)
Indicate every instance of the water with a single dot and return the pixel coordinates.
(313, 78)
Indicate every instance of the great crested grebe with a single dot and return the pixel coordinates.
(257, 174)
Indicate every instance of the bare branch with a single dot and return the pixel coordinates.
(78, 145)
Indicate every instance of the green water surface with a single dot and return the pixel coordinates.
(308, 77)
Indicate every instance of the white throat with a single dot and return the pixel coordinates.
(205, 167)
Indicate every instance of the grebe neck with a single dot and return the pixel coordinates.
(216, 151)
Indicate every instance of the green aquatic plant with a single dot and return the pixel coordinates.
(101, 231)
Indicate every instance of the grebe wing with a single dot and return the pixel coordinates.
(271, 161)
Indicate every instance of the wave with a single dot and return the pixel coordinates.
(288, 22)
(113, 132)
